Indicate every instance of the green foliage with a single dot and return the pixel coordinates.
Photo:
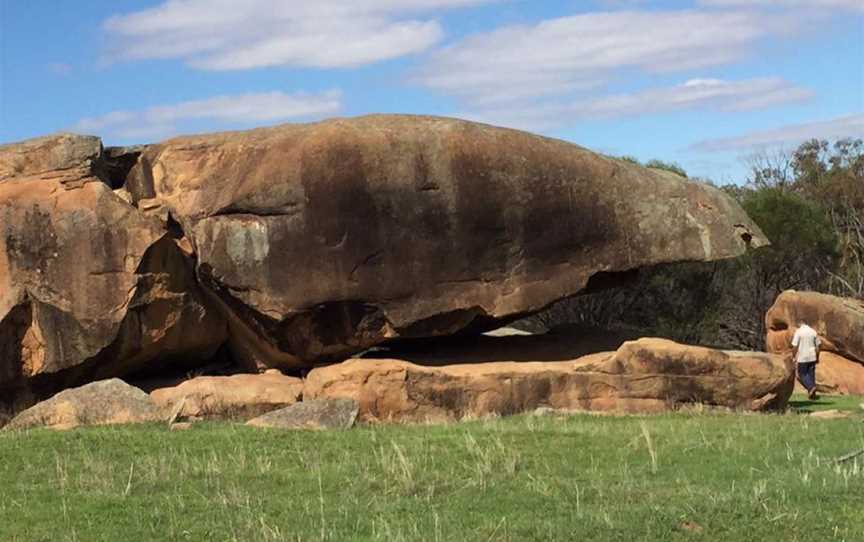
(656, 164)
(676, 477)
(666, 166)
(793, 224)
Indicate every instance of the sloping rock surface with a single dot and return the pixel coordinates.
(840, 324)
(324, 239)
(337, 413)
(106, 402)
(90, 286)
(226, 397)
(647, 375)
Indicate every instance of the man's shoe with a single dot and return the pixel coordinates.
(812, 395)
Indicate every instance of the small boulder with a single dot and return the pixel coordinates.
(328, 413)
(241, 396)
(106, 402)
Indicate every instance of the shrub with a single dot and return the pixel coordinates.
(666, 166)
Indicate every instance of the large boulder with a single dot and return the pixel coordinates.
(648, 375)
(321, 240)
(840, 324)
(106, 402)
(229, 397)
(90, 286)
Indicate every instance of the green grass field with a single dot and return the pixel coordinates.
(682, 476)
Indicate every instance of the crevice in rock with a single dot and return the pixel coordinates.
(175, 230)
(114, 164)
(606, 280)
(14, 392)
(778, 325)
(291, 208)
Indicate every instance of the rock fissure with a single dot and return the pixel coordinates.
(325, 241)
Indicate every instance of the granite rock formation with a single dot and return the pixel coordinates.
(296, 245)
(321, 240)
(90, 286)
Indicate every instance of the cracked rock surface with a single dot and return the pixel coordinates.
(324, 239)
(296, 245)
(90, 287)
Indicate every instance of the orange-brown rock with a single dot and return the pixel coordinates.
(228, 397)
(106, 402)
(296, 244)
(90, 287)
(647, 375)
(324, 239)
(840, 324)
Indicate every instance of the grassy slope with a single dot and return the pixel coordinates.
(712, 477)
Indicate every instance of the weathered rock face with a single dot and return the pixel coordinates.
(90, 286)
(641, 376)
(106, 402)
(321, 240)
(840, 324)
(300, 244)
(62, 157)
(317, 414)
(226, 397)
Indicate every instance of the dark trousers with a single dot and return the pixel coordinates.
(807, 374)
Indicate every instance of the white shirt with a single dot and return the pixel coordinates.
(807, 341)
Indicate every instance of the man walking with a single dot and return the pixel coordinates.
(805, 346)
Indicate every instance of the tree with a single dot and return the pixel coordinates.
(833, 177)
(802, 254)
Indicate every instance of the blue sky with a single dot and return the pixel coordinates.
(705, 83)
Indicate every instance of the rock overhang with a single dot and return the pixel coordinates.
(313, 242)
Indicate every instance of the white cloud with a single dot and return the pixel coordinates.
(223, 111)
(804, 4)
(848, 126)
(558, 56)
(233, 34)
(704, 93)
(711, 94)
